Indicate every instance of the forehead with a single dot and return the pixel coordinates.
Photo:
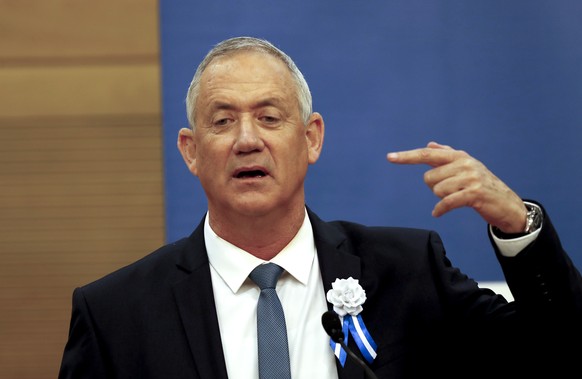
(251, 69)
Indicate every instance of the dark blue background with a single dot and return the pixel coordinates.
(499, 79)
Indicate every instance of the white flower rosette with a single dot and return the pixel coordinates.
(347, 297)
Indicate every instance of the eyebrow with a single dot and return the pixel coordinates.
(220, 105)
(270, 101)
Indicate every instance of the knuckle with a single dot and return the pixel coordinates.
(427, 177)
(425, 153)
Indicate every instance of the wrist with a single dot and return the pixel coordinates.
(533, 221)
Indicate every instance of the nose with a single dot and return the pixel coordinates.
(248, 137)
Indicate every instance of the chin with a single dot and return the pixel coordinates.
(248, 205)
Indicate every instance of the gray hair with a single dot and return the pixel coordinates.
(234, 45)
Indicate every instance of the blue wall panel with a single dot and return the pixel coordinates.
(500, 79)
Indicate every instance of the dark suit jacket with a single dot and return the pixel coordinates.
(156, 318)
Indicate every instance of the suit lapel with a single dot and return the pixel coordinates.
(195, 301)
(336, 261)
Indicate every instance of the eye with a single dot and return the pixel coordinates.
(222, 122)
(269, 119)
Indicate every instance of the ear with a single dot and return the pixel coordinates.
(314, 133)
(187, 148)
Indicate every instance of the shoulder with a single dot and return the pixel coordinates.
(386, 236)
(388, 241)
(391, 239)
(155, 267)
(378, 231)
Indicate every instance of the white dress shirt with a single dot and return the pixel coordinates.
(300, 289)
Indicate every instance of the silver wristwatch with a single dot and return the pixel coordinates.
(533, 219)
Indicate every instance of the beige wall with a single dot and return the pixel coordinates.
(80, 162)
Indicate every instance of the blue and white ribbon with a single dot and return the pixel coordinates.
(362, 338)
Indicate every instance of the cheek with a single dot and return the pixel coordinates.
(297, 161)
(205, 162)
(212, 158)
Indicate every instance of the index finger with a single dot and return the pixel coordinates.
(426, 155)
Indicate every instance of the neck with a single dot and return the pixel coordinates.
(262, 236)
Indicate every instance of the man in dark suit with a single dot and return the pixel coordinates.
(188, 309)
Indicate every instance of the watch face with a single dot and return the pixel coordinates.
(534, 218)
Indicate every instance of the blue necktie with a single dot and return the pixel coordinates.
(271, 329)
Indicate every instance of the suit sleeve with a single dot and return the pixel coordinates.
(542, 277)
(82, 357)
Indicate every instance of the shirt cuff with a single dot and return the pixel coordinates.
(512, 247)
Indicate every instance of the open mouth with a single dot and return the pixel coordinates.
(250, 174)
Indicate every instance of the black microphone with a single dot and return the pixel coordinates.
(333, 327)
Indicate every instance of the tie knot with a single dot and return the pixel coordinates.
(266, 275)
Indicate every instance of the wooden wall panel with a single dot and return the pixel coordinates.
(123, 89)
(91, 31)
(81, 191)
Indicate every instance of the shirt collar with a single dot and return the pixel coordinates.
(234, 265)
